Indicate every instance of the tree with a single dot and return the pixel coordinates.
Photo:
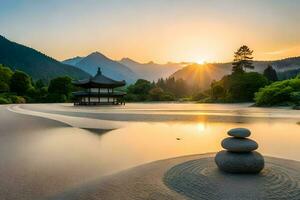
(156, 93)
(242, 60)
(20, 83)
(39, 84)
(5, 76)
(139, 91)
(242, 87)
(61, 86)
(279, 93)
(217, 92)
(270, 74)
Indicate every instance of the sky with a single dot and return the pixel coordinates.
(157, 30)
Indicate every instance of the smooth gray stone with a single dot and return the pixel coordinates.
(239, 144)
(240, 163)
(239, 132)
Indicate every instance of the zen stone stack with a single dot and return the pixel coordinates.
(240, 155)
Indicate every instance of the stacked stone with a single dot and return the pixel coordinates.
(240, 155)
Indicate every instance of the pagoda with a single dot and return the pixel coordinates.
(98, 90)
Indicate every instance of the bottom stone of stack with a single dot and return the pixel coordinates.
(251, 162)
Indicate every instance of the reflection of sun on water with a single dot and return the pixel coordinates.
(200, 127)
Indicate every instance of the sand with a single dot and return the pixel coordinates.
(19, 179)
(193, 177)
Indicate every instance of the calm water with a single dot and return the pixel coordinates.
(72, 156)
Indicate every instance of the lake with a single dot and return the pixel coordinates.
(90, 142)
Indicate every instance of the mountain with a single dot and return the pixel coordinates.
(202, 75)
(109, 67)
(73, 61)
(34, 63)
(151, 71)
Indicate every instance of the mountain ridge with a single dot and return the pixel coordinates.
(36, 64)
(109, 67)
(151, 71)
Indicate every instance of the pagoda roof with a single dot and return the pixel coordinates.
(99, 80)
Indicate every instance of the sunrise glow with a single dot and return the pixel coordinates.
(138, 30)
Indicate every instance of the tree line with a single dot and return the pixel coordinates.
(239, 86)
(19, 87)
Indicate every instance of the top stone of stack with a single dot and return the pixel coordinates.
(239, 132)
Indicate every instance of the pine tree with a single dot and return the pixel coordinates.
(270, 74)
(242, 59)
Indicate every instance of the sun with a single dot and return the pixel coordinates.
(200, 61)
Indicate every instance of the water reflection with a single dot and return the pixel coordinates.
(55, 159)
(82, 152)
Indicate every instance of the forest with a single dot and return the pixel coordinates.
(241, 85)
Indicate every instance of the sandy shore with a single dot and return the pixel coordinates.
(142, 182)
(193, 177)
(41, 154)
(19, 179)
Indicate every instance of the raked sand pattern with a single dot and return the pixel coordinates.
(201, 179)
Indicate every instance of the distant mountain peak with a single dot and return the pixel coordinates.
(76, 57)
(73, 61)
(97, 54)
(129, 61)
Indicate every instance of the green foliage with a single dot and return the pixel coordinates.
(270, 74)
(61, 86)
(17, 99)
(156, 94)
(164, 90)
(199, 96)
(167, 97)
(7, 98)
(141, 86)
(139, 91)
(18, 87)
(237, 87)
(217, 91)
(177, 87)
(279, 93)
(56, 98)
(5, 76)
(241, 87)
(39, 84)
(242, 59)
(4, 100)
(4, 87)
(20, 83)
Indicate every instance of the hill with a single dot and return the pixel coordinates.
(151, 71)
(109, 67)
(35, 63)
(203, 75)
